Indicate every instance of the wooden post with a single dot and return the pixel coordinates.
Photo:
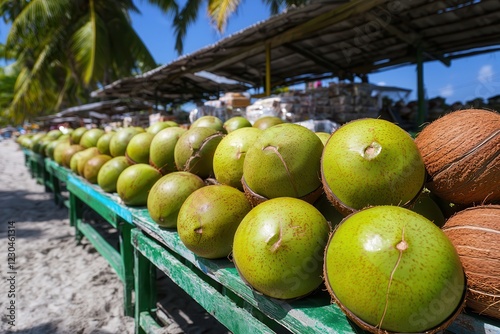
(268, 69)
(420, 88)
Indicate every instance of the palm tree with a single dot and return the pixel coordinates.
(66, 48)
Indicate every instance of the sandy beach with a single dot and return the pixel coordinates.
(56, 285)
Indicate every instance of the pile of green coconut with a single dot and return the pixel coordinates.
(403, 233)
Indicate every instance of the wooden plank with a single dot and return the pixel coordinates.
(314, 314)
(59, 171)
(148, 323)
(101, 202)
(103, 247)
(238, 320)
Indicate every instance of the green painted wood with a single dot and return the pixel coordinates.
(59, 171)
(127, 263)
(238, 320)
(103, 247)
(145, 291)
(37, 164)
(26, 154)
(103, 203)
(147, 324)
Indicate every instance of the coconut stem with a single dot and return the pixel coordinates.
(372, 151)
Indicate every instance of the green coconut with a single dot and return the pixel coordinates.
(209, 122)
(266, 122)
(135, 182)
(50, 148)
(93, 165)
(194, 151)
(236, 122)
(69, 152)
(83, 157)
(370, 162)
(59, 151)
(278, 248)
(109, 173)
(138, 148)
(103, 143)
(208, 219)
(391, 269)
(158, 126)
(324, 136)
(168, 194)
(54, 134)
(230, 155)
(73, 163)
(428, 208)
(90, 137)
(118, 143)
(284, 162)
(162, 148)
(77, 134)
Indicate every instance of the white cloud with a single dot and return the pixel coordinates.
(485, 73)
(381, 83)
(446, 91)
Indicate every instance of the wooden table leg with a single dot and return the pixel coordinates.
(127, 254)
(145, 287)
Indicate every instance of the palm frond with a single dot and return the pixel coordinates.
(89, 46)
(167, 6)
(184, 18)
(220, 10)
(36, 18)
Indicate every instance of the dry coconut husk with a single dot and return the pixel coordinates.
(255, 199)
(461, 152)
(475, 232)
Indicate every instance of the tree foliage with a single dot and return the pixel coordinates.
(64, 49)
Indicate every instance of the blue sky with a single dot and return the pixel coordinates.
(464, 80)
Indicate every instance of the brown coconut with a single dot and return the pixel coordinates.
(461, 152)
(475, 232)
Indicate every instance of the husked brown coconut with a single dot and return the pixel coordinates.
(475, 233)
(461, 152)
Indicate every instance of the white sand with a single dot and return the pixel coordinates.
(60, 287)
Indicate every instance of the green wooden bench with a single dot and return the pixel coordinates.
(37, 169)
(27, 155)
(56, 181)
(216, 285)
(83, 193)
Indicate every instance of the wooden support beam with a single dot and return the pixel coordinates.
(328, 65)
(268, 69)
(422, 108)
(412, 38)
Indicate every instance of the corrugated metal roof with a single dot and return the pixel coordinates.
(327, 39)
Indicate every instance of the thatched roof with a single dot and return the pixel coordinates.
(326, 39)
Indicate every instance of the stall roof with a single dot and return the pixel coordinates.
(162, 89)
(107, 107)
(326, 39)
